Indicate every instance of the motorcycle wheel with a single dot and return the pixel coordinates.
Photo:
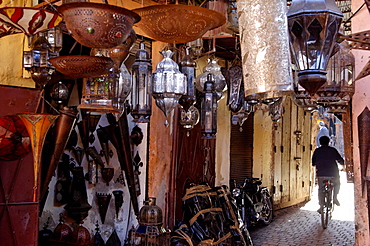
(267, 211)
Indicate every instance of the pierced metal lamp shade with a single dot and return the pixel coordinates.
(169, 84)
(265, 48)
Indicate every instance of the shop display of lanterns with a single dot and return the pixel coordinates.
(141, 95)
(169, 84)
(313, 27)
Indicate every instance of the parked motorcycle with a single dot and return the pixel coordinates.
(254, 202)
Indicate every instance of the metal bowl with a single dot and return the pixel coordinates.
(97, 25)
(82, 66)
(175, 23)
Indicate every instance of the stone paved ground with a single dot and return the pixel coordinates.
(300, 225)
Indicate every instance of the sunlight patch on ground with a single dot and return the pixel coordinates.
(346, 210)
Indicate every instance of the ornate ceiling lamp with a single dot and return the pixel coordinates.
(141, 95)
(189, 118)
(98, 25)
(264, 48)
(300, 96)
(169, 84)
(313, 29)
(175, 23)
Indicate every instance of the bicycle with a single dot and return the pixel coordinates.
(328, 202)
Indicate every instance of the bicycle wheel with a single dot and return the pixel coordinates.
(327, 208)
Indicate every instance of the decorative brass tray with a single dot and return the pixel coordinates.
(97, 25)
(175, 23)
(82, 66)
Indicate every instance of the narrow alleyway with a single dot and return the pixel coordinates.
(301, 224)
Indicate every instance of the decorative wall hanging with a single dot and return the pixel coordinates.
(78, 206)
(63, 183)
(98, 25)
(95, 155)
(118, 200)
(37, 126)
(104, 143)
(187, 67)
(219, 81)
(82, 66)
(28, 20)
(78, 153)
(137, 164)
(141, 95)
(107, 174)
(98, 240)
(14, 138)
(113, 240)
(313, 29)
(175, 23)
(169, 84)
(61, 131)
(92, 172)
(209, 110)
(265, 48)
(103, 203)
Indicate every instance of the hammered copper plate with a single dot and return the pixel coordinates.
(82, 66)
(175, 23)
(97, 25)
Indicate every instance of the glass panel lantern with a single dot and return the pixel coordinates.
(189, 118)
(169, 84)
(141, 95)
(187, 66)
(100, 94)
(313, 28)
(124, 85)
(218, 79)
(209, 110)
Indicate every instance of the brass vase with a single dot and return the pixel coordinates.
(37, 126)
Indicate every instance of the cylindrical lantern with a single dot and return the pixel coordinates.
(187, 67)
(209, 110)
(124, 85)
(313, 28)
(141, 95)
(169, 84)
(265, 48)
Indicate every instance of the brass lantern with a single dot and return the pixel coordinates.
(313, 28)
(141, 95)
(169, 84)
(209, 110)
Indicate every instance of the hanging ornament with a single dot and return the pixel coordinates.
(141, 96)
(218, 79)
(189, 118)
(169, 84)
(59, 92)
(236, 88)
(209, 110)
(187, 67)
(242, 115)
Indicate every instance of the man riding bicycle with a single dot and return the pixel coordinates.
(325, 159)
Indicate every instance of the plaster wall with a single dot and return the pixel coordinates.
(361, 99)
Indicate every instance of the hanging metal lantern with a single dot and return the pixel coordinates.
(236, 90)
(265, 48)
(100, 94)
(300, 97)
(141, 96)
(209, 110)
(339, 84)
(313, 28)
(59, 92)
(218, 79)
(242, 115)
(54, 36)
(169, 84)
(124, 86)
(187, 66)
(189, 118)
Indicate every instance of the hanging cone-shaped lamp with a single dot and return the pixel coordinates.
(118, 200)
(62, 130)
(103, 203)
(37, 126)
